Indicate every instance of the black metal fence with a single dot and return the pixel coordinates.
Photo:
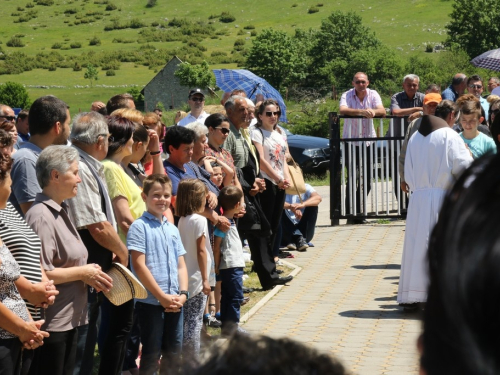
(364, 171)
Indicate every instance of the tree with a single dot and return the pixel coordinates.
(91, 74)
(474, 26)
(339, 37)
(198, 75)
(276, 57)
(14, 95)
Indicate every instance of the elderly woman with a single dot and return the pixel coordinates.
(16, 324)
(63, 257)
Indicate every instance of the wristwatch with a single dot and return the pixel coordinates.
(186, 293)
(153, 153)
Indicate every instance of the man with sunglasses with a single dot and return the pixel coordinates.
(196, 101)
(360, 101)
(7, 113)
(475, 87)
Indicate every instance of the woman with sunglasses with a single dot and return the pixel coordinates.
(218, 130)
(271, 145)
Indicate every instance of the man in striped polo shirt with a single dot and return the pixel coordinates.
(360, 101)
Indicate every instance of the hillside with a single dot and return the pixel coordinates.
(147, 36)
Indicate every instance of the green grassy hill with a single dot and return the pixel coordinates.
(68, 26)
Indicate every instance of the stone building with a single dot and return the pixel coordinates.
(165, 87)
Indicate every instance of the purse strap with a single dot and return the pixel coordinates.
(293, 178)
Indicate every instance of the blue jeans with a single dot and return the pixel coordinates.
(161, 334)
(231, 297)
(305, 227)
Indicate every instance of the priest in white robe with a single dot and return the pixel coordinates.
(435, 157)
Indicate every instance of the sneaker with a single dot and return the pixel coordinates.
(213, 322)
(291, 246)
(310, 244)
(302, 244)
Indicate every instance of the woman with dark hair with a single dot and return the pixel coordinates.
(218, 130)
(461, 334)
(271, 145)
(124, 192)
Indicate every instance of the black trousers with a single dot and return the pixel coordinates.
(357, 179)
(58, 353)
(10, 356)
(272, 201)
(263, 259)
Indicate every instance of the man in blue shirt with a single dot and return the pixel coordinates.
(456, 89)
(476, 88)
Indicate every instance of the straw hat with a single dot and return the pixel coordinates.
(125, 285)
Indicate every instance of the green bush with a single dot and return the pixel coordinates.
(15, 94)
(151, 3)
(249, 27)
(52, 68)
(95, 41)
(253, 33)
(429, 47)
(45, 2)
(110, 73)
(136, 23)
(56, 45)
(319, 5)
(71, 11)
(294, 5)
(77, 67)
(155, 24)
(218, 53)
(313, 10)
(15, 42)
(76, 45)
(20, 9)
(227, 17)
(111, 6)
(30, 5)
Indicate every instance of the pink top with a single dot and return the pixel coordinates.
(351, 126)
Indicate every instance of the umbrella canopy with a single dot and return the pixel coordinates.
(232, 79)
(488, 60)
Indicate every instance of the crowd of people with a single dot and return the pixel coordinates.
(175, 205)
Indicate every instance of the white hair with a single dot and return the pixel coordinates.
(198, 128)
(411, 77)
(57, 158)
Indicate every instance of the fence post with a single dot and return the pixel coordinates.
(335, 169)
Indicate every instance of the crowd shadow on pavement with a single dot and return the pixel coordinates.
(387, 312)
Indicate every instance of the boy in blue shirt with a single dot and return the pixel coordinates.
(229, 262)
(158, 262)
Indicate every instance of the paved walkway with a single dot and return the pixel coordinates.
(343, 300)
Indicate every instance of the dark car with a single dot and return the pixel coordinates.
(311, 153)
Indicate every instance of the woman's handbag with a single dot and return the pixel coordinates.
(254, 221)
(297, 185)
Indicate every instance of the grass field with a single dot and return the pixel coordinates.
(406, 25)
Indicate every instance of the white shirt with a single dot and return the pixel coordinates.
(190, 118)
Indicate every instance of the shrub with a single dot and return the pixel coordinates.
(111, 6)
(239, 42)
(110, 72)
(429, 47)
(15, 42)
(46, 3)
(56, 45)
(313, 10)
(319, 5)
(30, 5)
(249, 27)
(294, 5)
(241, 32)
(52, 68)
(76, 45)
(95, 41)
(151, 3)
(135, 23)
(71, 11)
(213, 16)
(218, 53)
(20, 9)
(253, 33)
(155, 24)
(77, 67)
(227, 17)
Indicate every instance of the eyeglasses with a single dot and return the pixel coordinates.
(269, 114)
(359, 82)
(198, 99)
(476, 86)
(223, 130)
(9, 118)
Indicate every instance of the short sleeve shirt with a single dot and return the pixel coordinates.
(449, 94)
(480, 145)
(275, 147)
(235, 144)
(121, 185)
(360, 128)
(176, 175)
(25, 185)
(293, 199)
(62, 247)
(190, 118)
(161, 243)
(401, 101)
(231, 249)
(191, 228)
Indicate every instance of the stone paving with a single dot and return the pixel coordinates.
(343, 298)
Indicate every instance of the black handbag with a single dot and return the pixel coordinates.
(254, 221)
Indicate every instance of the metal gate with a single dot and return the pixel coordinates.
(364, 172)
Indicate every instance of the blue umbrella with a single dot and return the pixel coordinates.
(232, 79)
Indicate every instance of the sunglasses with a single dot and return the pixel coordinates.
(197, 99)
(9, 118)
(476, 86)
(223, 130)
(269, 114)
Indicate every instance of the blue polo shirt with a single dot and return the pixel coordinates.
(162, 245)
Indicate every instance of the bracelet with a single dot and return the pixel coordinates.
(153, 153)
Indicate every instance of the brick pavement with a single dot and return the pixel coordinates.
(343, 299)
